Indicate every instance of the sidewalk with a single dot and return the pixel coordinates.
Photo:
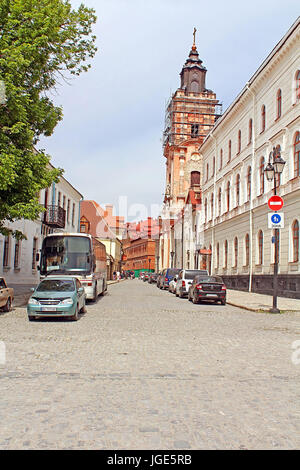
(22, 293)
(260, 302)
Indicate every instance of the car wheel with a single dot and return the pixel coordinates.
(84, 309)
(31, 318)
(7, 307)
(75, 316)
(223, 302)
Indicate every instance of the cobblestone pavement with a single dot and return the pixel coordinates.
(146, 370)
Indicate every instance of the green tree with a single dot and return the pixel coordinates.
(41, 41)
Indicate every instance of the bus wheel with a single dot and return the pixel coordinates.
(95, 293)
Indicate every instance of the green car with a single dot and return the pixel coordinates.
(57, 296)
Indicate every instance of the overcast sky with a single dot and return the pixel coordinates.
(109, 142)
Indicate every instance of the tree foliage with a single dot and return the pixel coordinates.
(41, 42)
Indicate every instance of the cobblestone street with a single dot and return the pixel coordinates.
(143, 369)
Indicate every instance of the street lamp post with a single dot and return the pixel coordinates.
(172, 253)
(275, 167)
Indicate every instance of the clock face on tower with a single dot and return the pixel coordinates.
(195, 157)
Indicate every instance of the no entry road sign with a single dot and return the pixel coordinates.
(275, 203)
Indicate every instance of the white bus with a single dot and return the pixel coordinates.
(78, 255)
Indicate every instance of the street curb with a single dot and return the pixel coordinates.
(110, 283)
(259, 310)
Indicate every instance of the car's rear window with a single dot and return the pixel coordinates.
(209, 279)
(191, 274)
(172, 272)
(56, 285)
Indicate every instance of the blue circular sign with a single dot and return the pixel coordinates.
(276, 219)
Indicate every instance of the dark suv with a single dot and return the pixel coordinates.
(167, 276)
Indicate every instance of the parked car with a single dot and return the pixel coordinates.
(185, 279)
(159, 277)
(152, 278)
(172, 284)
(207, 288)
(6, 295)
(58, 296)
(167, 276)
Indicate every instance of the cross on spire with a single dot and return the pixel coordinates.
(194, 34)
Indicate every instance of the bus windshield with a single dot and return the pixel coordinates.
(66, 255)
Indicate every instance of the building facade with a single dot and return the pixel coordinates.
(140, 245)
(233, 227)
(107, 228)
(19, 260)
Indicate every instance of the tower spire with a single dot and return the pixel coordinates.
(194, 42)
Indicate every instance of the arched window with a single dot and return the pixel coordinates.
(262, 175)
(226, 254)
(295, 235)
(194, 86)
(214, 166)
(229, 150)
(260, 247)
(17, 254)
(205, 210)
(278, 104)
(236, 251)
(218, 255)
(195, 178)
(297, 155)
(228, 196)
(239, 145)
(238, 184)
(221, 159)
(6, 252)
(207, 171)
(211, 205)
(250, 131)
(263, 118)
(247, 249)
(298, 85)
(220, 201)
(248, 183)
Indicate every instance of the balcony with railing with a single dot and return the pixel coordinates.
(55, 216)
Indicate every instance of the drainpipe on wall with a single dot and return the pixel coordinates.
(79, 214)
(251, 192)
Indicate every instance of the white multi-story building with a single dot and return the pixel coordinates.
(235, 191)
(18, 259)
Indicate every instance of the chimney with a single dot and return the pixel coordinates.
(109, 210)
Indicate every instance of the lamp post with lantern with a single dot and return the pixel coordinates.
(273, 170)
